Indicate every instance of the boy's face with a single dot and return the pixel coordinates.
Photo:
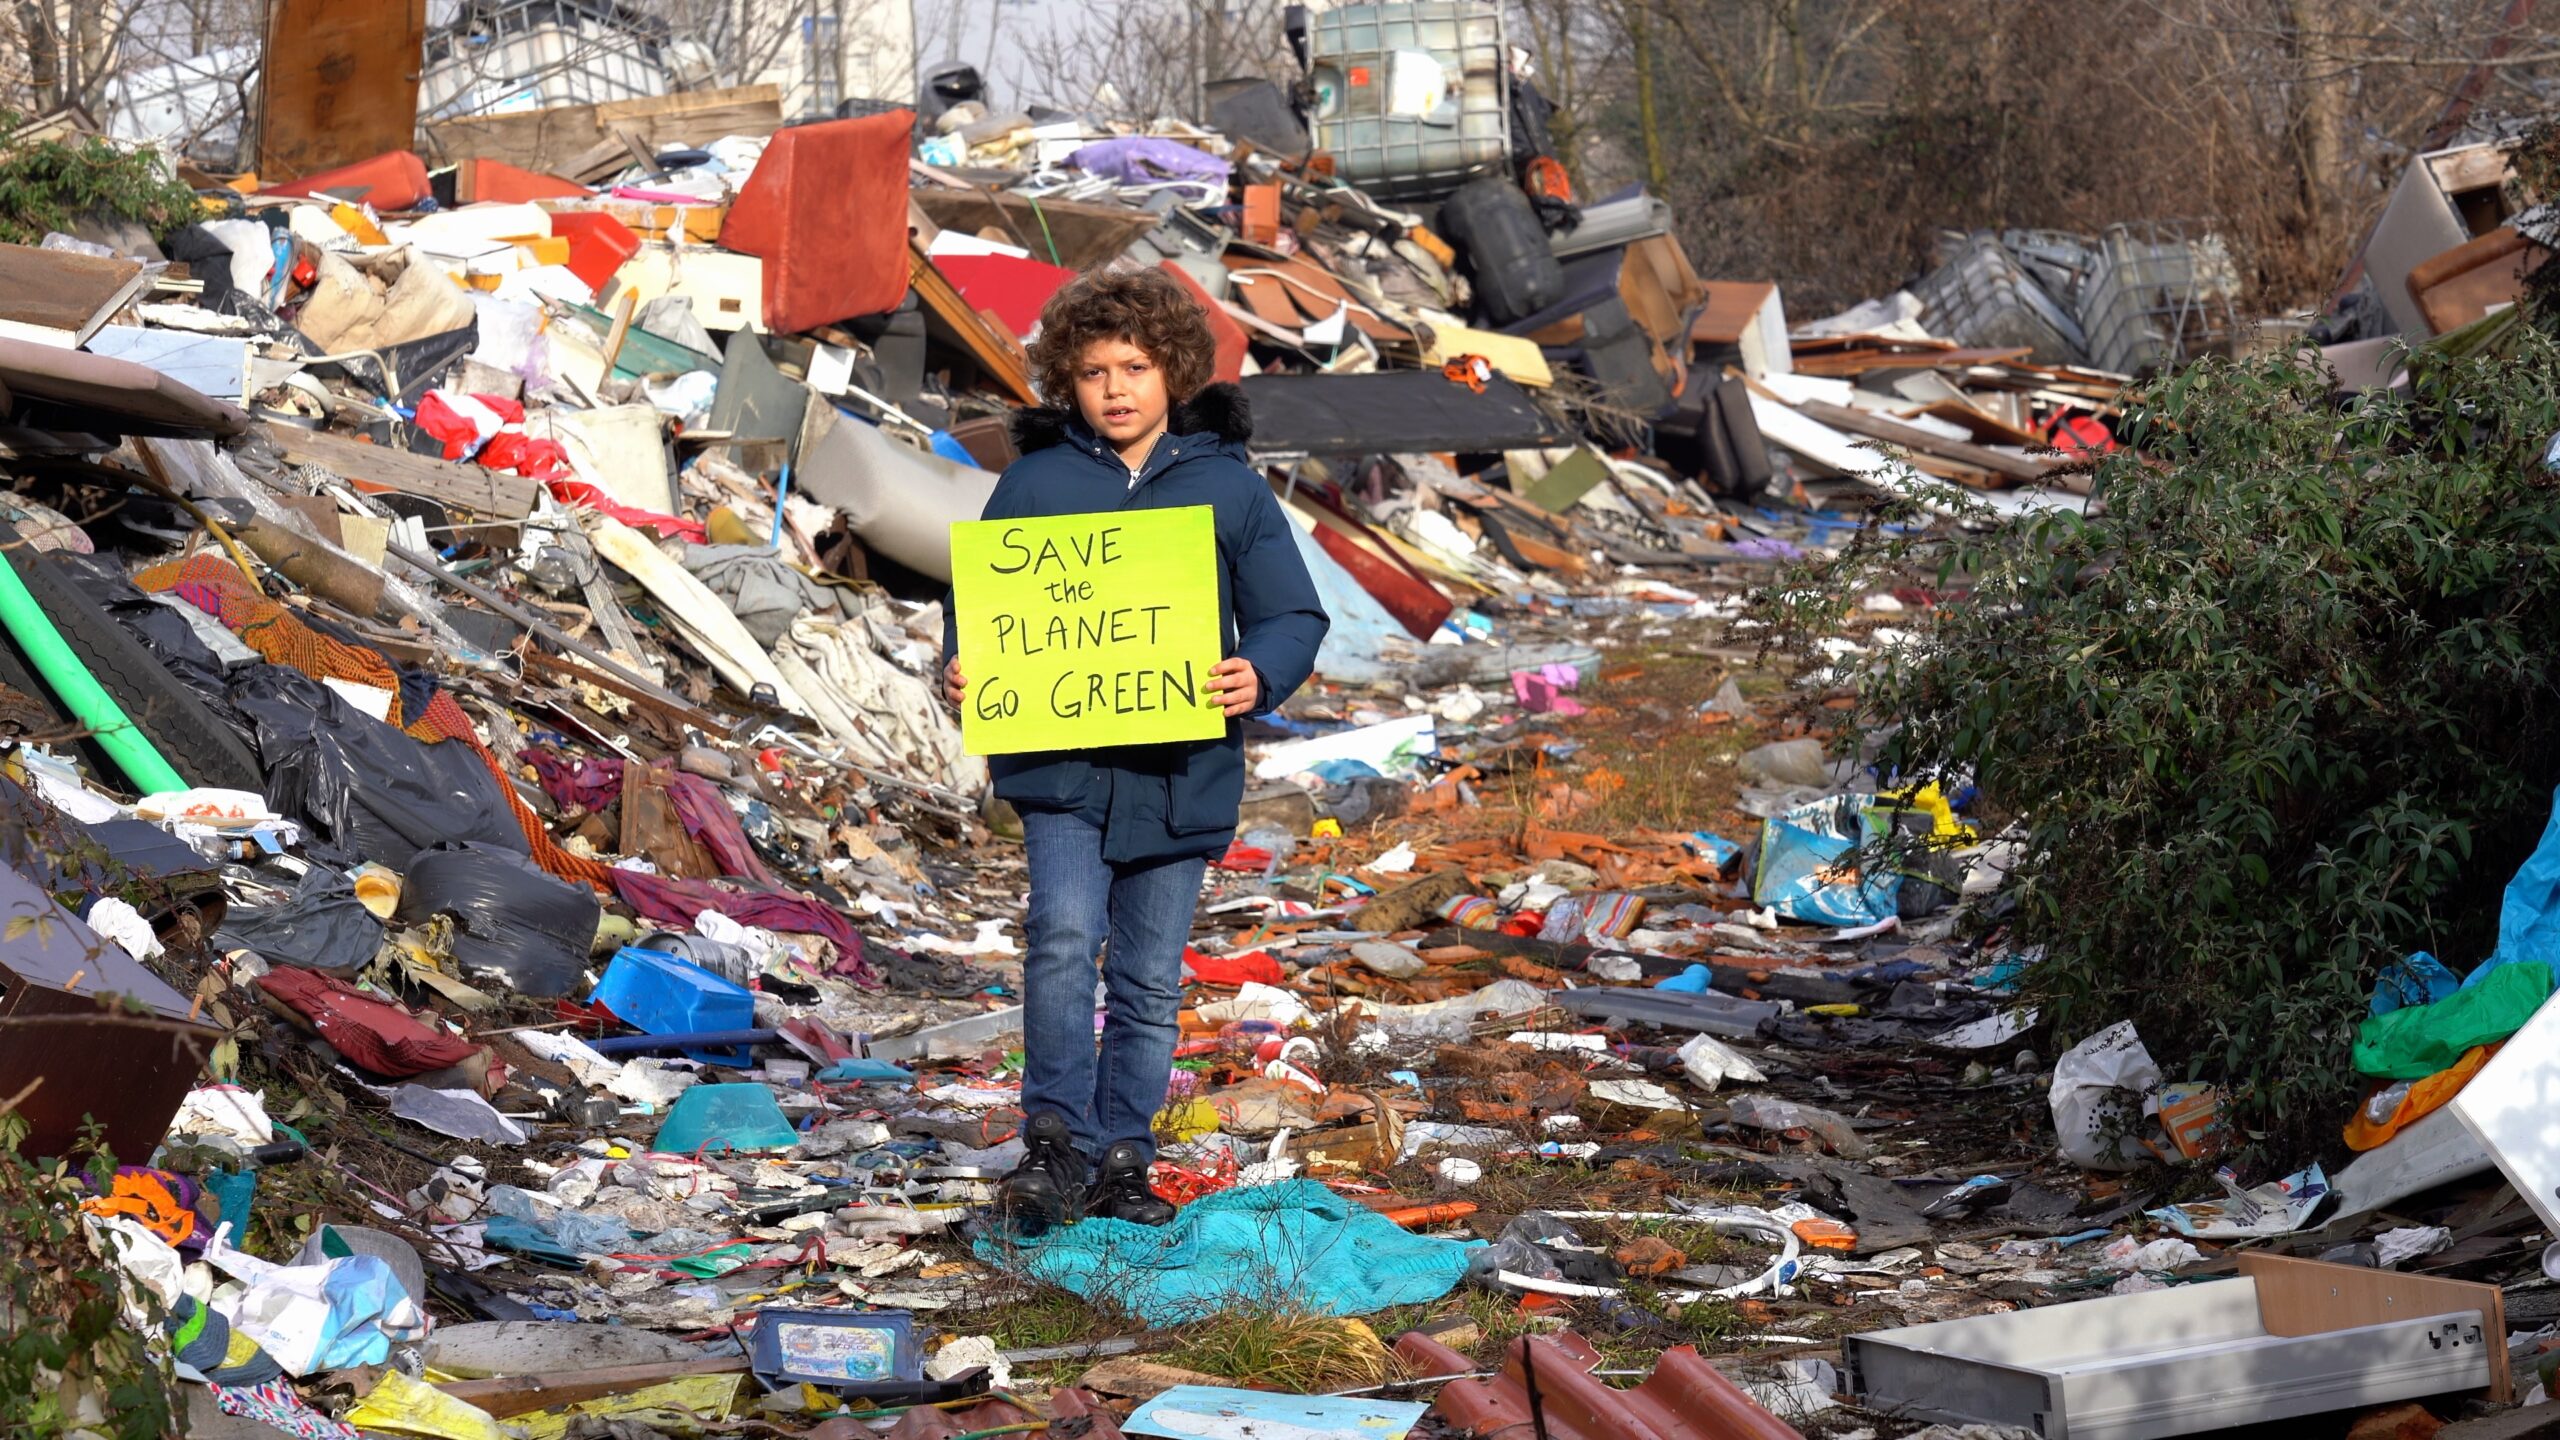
(1120, 390)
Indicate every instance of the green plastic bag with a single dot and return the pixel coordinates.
(2416, 1041)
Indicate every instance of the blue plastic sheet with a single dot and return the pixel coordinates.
(2529, 918)
(1354, 650)
(1809, 870)
(1296, 1245)
(2419, 980)
(2528, 929)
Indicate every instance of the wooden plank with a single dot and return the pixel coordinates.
(997, 352)
(61, 297)
(487, 492)
(1927, 442)
(509, 1395)
(1083, 234)
(2306, 1297)
(340, 84)
(554, 141)
(1859, 362)
(1988, 428)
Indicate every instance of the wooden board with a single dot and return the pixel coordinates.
(487, 492)
(995, 349)
(340, 84)
(519, 1394)
(1859, 362)
(1076, 234)
(61, 297)
(1926, 442)
(2306, 1297)
(557, 140)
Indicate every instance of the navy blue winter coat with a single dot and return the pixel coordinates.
(1178, 799)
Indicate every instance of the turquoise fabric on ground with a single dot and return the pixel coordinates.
(1293, 1246)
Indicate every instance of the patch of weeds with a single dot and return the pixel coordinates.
(1288, 1351)
(1025, 1315)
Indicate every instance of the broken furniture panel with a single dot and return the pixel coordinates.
(2288, 1338)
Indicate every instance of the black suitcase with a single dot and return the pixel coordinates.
(1504, 249)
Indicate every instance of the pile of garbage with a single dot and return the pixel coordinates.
(472, 635)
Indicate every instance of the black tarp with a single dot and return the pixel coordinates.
(323, 927)
(368, 789)
(529, 927)
(1398, 412)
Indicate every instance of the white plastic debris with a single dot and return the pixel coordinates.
(1636, 1094)
(1458, 1170)
(1708, 1062)
(225, 1110)
(124, 925)
(2098, 1090)
(969, 1352)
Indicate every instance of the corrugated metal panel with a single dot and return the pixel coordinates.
(1685, 1399)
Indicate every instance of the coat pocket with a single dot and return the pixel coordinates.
(1049, 781)
(1207, 789)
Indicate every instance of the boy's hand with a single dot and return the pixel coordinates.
(954, 688)
(1234, 686)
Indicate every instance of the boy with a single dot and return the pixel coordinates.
(1119, 839)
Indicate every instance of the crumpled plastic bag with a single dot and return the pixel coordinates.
(1810, 869)
(311, 1318)
(399, 1405)
(2099, 1087)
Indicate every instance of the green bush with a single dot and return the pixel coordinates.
(2279, 710)
(52, 184)
(64, 1342)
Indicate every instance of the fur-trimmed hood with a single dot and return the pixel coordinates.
(1219, 412)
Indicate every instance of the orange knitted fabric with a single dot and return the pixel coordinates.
(212, 584)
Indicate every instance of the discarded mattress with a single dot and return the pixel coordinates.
(901, 501)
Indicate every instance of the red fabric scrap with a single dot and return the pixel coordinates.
(1256, 966)
(372, 1033)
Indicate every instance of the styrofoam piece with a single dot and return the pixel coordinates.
(1375, 745)
(2512, 1108)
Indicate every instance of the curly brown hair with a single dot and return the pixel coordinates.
(1146, 308)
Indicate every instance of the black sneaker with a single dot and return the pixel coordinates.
(1047, 1188)
(1121, 1191)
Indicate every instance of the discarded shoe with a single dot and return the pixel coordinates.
(1121, 1191)
(1047, 1188)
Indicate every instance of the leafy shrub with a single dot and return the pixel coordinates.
(2279, 710)
(52, 184)
(64, 1342)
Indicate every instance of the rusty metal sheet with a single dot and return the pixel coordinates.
(341, 83)
(1071, 1412)
(1685, 1399)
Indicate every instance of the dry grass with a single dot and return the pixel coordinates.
(1291, 1352)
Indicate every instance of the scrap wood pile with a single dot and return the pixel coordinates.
(472, 639)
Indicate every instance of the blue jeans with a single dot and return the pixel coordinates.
(1078, 902)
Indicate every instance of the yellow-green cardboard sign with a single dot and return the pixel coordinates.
(1084, 630)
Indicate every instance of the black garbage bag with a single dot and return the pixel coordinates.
(323, 927)
(365, 787)
(529, 928)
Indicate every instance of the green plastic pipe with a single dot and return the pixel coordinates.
(87, 700)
